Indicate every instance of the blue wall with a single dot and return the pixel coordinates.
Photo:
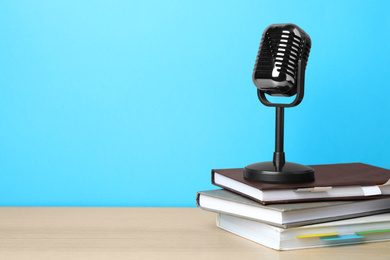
(132, 103)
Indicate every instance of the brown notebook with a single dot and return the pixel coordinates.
(332, 182)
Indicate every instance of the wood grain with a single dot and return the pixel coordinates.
(142, 233)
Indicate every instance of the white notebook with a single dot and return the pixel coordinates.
(351, 231)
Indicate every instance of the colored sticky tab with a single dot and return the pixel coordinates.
(371, 190)
(341, 237)
(372, 231)
(319, 235)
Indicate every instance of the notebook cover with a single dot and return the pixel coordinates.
(344, 174)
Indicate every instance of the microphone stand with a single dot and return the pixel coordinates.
(280, 171)
(279, 158)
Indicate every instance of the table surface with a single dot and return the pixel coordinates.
(142, 233)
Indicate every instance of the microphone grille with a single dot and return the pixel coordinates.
(281, 47)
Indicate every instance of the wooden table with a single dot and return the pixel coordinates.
(142, 233)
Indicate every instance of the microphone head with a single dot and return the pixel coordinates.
(276, 67)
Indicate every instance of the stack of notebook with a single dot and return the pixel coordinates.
(346, 204)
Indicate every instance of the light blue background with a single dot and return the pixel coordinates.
(132, 103)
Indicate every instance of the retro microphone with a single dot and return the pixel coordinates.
(280, 71)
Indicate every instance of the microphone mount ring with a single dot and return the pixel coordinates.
(298, 97)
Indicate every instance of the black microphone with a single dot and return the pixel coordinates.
(276, 67)
(280, 71)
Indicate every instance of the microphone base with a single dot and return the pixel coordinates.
(267, 172)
